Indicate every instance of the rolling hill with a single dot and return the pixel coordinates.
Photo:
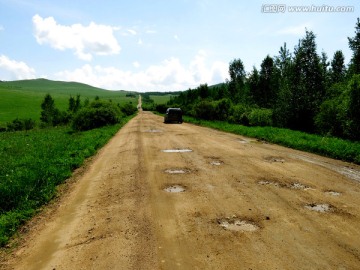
(22, 99)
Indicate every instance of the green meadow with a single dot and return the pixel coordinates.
(22, 99)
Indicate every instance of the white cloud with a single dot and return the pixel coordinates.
(132, 32)
(15, 70)
(297, 30)
(136, 64)
(140, 42)
(85, 41)
(169, 75)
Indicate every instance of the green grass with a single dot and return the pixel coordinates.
(326, 146)
(22, 99)
(160, 99)
(33, 163)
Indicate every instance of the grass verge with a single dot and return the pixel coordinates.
(326, 146)
(33, 163)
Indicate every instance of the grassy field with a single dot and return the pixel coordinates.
(326, 146)
(33, 163)
(163, 99)
(22, 99)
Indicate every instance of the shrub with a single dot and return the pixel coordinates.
(128, 109)
(98, 114)
(20, 124)
(161, 108)
(239, 115)
(205, 110)
(260, 117)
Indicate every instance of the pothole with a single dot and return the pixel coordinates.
(271, 183)
(332, 193)
(295, 185)
(177, 171)
(322, 208)
(274, 159)
(176, 150)
(175, 188)
(216, 162)
(153, 130)
(238, 225)
(299, 186)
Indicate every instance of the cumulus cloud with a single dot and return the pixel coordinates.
(169, 75)
(15, 70)
(85, 41)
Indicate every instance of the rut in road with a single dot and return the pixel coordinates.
(227, 202)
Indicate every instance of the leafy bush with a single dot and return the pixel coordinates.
(21, 124)
(239, 115)
(128, 109)
(98, 114)
(205, 110)
(222, 109)
(260, 117)
(161, 108)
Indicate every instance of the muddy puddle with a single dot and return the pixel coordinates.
(153, 130)
(175, 189)
(215, 163)
(238, 225)
(332, 193)
(177, 171)
(293, 185)
(176, 150)
(321, 208)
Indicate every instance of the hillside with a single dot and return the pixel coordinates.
(23, 98)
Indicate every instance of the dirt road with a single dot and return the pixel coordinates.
(211, 200)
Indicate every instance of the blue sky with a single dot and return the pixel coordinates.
(159, 45)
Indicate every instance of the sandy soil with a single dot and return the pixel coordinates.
(229, 203)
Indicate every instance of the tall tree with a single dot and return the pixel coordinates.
(307, 84)
(49, 111)
(266, 93)
(354, 44)
(282, 108)
(337, 68)
(237, 79)
(253, 82)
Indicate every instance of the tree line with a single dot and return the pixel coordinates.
(301, 90)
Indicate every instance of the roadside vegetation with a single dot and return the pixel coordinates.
(35, 159)
(327, 146)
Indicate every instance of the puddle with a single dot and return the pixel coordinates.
(322, 208)
(274, 159)
(176, 150)
(332, 193)
(175, 189)
(216, 163)
(153, 130)
(176, 171)
(299, 186)
(238, 225)
(268, 183)
(296, 185)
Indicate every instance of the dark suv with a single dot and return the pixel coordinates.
(173, 115)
